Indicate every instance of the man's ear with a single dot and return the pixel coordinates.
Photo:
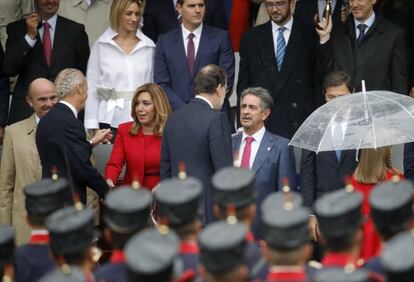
(29, 101)
(266, 113)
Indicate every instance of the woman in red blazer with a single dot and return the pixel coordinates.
(138, 143)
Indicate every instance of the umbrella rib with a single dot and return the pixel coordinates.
(330, 122)
(372, 125)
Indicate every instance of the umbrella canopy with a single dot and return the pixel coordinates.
(362, 120)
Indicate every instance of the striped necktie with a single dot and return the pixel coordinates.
(280, 48)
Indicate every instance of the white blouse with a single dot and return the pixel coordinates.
(109, 67)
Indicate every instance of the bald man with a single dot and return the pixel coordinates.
(20, 164)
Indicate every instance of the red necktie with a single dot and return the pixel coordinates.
(190, 52)
(245, 162)
(47, 43)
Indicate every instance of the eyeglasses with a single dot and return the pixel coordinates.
(271, 5)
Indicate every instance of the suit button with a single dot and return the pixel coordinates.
(294, 105)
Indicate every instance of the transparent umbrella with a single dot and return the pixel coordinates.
(367, 120)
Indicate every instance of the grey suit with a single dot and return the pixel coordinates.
(273, 163)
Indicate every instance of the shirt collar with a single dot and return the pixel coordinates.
(37, 119)
(258, 136)
(52, 21)
(288, 25)
(71, 107)
(196, 32)
(109, 34)
(205, 99)
(369, 22)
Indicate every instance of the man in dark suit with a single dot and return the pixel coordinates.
(4, 97)
(182, 52)
(41, 45)
(161, 16)
(268, 155)
(326, 171)
(61, 138)
(280, 56)
(199, 135)
(353, 48)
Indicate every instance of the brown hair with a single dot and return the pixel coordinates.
(373, 165)
(118, 8)
(162, 108)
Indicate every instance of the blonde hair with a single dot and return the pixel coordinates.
(162, 108)
(118, 8)
(373, 165)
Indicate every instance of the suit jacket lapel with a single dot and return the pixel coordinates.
(58, 41)
(296, 43)
(267, 51)
(203, 47)
(236, 142)
(266, 145)
(180, 50)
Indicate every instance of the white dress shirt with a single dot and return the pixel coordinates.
(286, 33)
(110, 67)
(52, 29)
(196, 38)
(258, 136)
(369, 22)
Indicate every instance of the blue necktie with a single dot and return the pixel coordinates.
(361, 35)
(280, 48)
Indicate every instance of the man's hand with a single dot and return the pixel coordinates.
(110, 183)
(102, 136)
(314, 228)
(1, 135)
(32, 21)
(325, 29)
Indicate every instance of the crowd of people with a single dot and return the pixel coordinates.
(197, 188)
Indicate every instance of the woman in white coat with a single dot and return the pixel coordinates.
(121, 60)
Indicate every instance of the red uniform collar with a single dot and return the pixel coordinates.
(189, 247)
(250, 237)
(39, 237)
(117, 256)
(338, 259)
(286, 275)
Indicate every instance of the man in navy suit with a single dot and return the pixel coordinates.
(267, 154)
(61, 137)
(199, 135)
(326, 171)
(161, 16)
(183, 51)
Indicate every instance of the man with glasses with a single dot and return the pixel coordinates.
(280, 56)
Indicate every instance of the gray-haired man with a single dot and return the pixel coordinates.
(61, 139)
(267, 154)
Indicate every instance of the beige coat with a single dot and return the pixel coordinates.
(95, 17)
(20, 166)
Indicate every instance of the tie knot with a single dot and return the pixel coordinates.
(362, 28)
(281, 29)
(249, 140)
(46, 25)
(191, 36)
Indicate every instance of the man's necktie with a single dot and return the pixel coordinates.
(190, 52)
(47, 43)
(245, 162)
(281, 47)
(338, 140)
(362, 28)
